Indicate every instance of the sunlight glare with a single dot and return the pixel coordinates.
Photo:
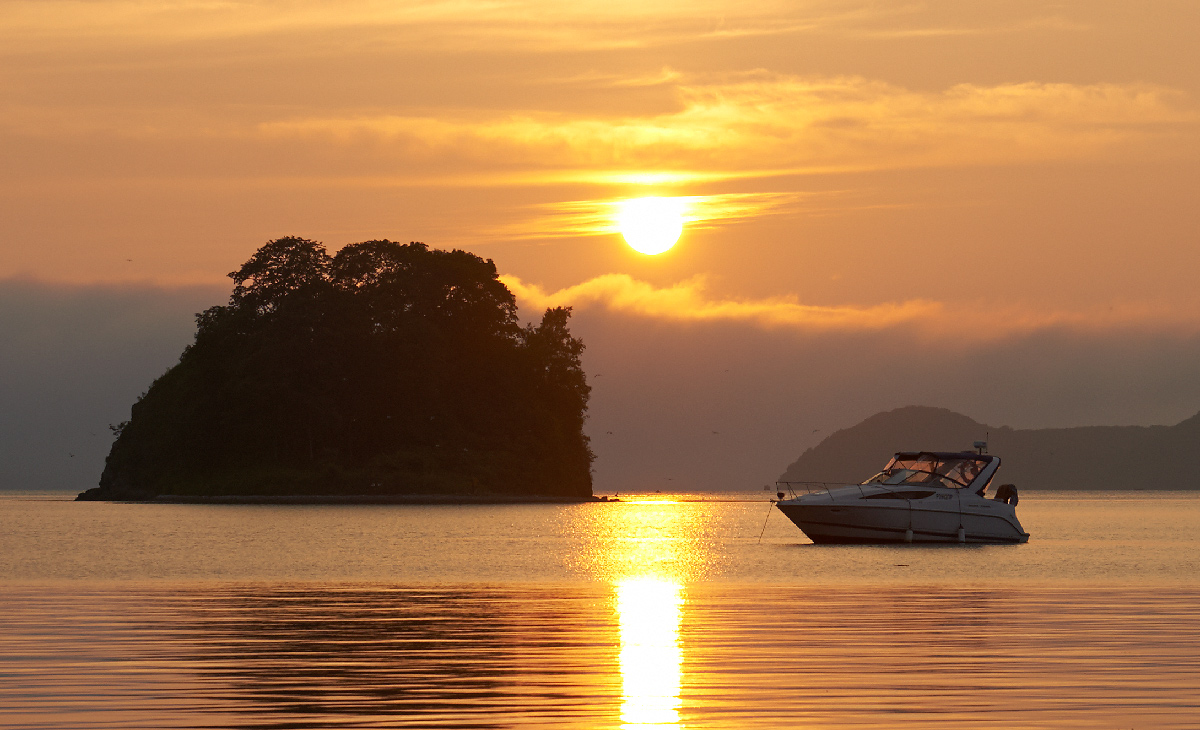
(649, 610)
(651, 225)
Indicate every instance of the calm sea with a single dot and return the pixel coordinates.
(642, 614)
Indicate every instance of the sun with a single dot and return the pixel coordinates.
(651, 225)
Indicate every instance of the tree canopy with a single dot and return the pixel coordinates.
(386, 368)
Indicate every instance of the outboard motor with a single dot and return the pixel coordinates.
(1007, 493)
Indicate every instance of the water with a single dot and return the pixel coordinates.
(632, 615)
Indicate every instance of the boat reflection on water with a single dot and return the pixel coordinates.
(649, 610)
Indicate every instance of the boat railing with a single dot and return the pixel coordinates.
(797, 489)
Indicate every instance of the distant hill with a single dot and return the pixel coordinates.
(1089, 457)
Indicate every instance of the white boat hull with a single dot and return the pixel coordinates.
(849, 518)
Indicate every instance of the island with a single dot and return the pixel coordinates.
(384, 372)
(1080, 458)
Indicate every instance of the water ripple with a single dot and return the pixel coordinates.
(291, 656)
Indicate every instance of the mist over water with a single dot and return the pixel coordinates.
(664, 614)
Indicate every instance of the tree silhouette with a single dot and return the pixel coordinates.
(387, 368)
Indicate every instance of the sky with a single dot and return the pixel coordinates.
(984, 206)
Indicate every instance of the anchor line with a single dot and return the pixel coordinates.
(764, 529)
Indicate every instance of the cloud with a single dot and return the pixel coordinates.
(687, 301)
(765, 125)
(537, 25)
(954, 326)
(598, 217)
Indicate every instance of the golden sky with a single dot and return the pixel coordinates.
(1014, 183)
(849, 164)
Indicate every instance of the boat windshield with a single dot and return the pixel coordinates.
(927, 469)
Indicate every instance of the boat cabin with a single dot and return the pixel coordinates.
(953, 470)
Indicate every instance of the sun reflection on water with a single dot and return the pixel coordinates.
(648, 550)
(660, 538)
(649, 610)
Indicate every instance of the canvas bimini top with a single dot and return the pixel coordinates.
(956, 470)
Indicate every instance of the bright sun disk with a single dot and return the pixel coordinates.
(651, 225)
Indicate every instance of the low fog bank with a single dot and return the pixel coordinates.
(674, 406)
(728, 407)
(73, 359)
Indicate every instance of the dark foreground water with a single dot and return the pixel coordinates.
(633, 615)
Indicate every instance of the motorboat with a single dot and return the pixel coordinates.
(920, 496)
